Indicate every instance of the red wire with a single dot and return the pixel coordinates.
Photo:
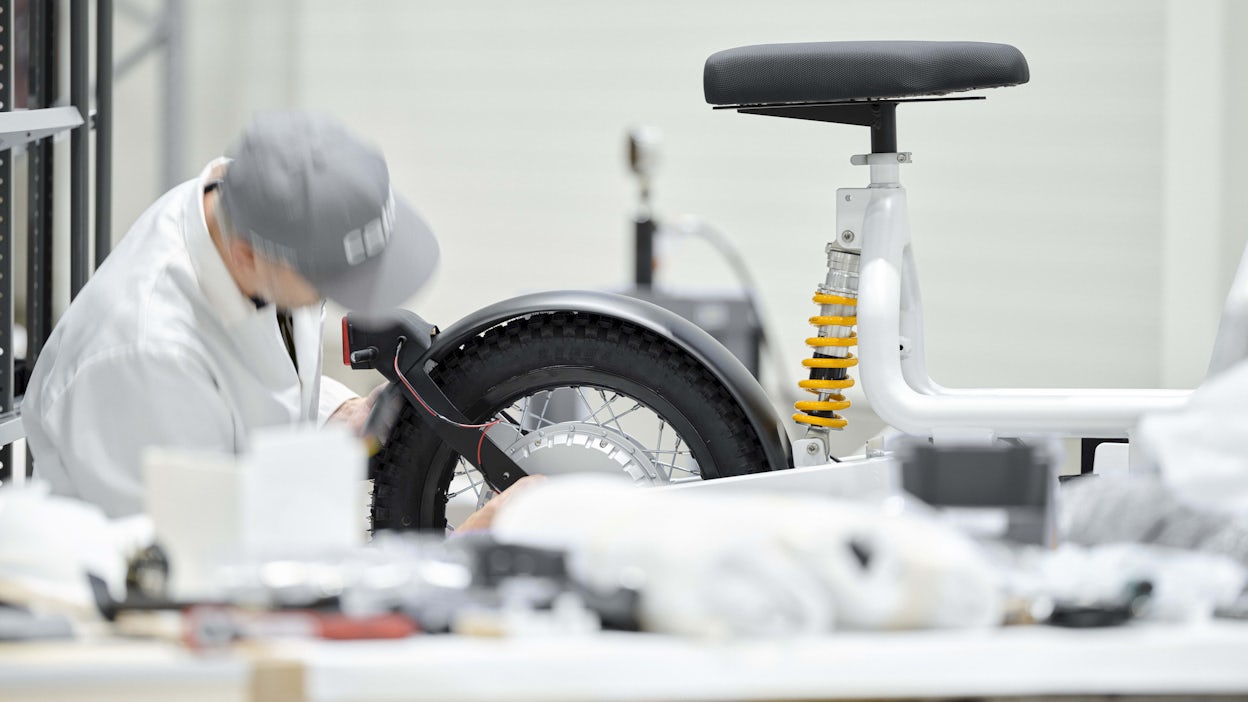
(485, 428)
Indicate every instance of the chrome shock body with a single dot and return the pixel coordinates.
(829, 365)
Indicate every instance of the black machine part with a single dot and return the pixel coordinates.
(395, 347)
(1016, 480)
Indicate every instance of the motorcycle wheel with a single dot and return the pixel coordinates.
(572, 392)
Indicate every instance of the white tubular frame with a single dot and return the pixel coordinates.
(890, 340)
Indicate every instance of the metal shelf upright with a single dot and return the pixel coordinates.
(32, 128)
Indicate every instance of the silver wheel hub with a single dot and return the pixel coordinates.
(577, 430)
(577, 447)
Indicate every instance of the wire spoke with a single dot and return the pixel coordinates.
(615, 418)
(593, 415)
(671, 467)
(672, 455)
(524, 413)
(627, 412)
(662, 426)
(668, 455)
(658, 465)
(607, 404)
(545, 406)
(677, 452)
(472, 485)
(682, 469)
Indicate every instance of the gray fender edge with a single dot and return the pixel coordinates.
(743, 387)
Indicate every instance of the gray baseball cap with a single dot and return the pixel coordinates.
(303, 190)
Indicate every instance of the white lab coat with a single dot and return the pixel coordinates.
(160, 348)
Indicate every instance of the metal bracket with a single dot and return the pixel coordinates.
(11, 426)
(809, 452)
(880, 159)
(852, 203)
(851, 210)
(499, 470)
(25, 126)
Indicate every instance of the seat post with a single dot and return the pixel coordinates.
(883, 127)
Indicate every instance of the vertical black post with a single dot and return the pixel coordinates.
(7, 27)
(884, 128)
(79, 162)
(42, 80)
(643, 251)
(643, 145)
(103, 129)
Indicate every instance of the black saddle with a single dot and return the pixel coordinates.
(770, 74)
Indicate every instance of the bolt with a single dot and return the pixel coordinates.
(847, 236)
(812, 448)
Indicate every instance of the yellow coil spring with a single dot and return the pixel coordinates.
(830, 401)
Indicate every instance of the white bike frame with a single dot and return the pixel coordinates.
(892, 365)
(873, 222)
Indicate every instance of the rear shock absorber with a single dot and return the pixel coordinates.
(838, 309)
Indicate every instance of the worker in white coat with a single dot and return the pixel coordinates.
(204, 324)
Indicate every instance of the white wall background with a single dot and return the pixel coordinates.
(1064, 229)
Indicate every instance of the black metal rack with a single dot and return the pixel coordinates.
(34, 128)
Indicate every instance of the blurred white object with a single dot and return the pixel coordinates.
(1187, 586)
(1230, 347)
(51, 543)
(1201, 451)
(293, 495)
(1112, 460)
(765, 564)
(1143, 509)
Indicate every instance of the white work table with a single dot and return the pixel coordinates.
(1010, 662)
(1018, 662)
(133, 671)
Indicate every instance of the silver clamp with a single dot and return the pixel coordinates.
(880, 159)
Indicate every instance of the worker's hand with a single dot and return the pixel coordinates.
(354, 412)
(483, 518)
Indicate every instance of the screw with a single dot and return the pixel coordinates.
(847, 236)
(849, 198)
(812, 448)
(901, 158)
(506, 476)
